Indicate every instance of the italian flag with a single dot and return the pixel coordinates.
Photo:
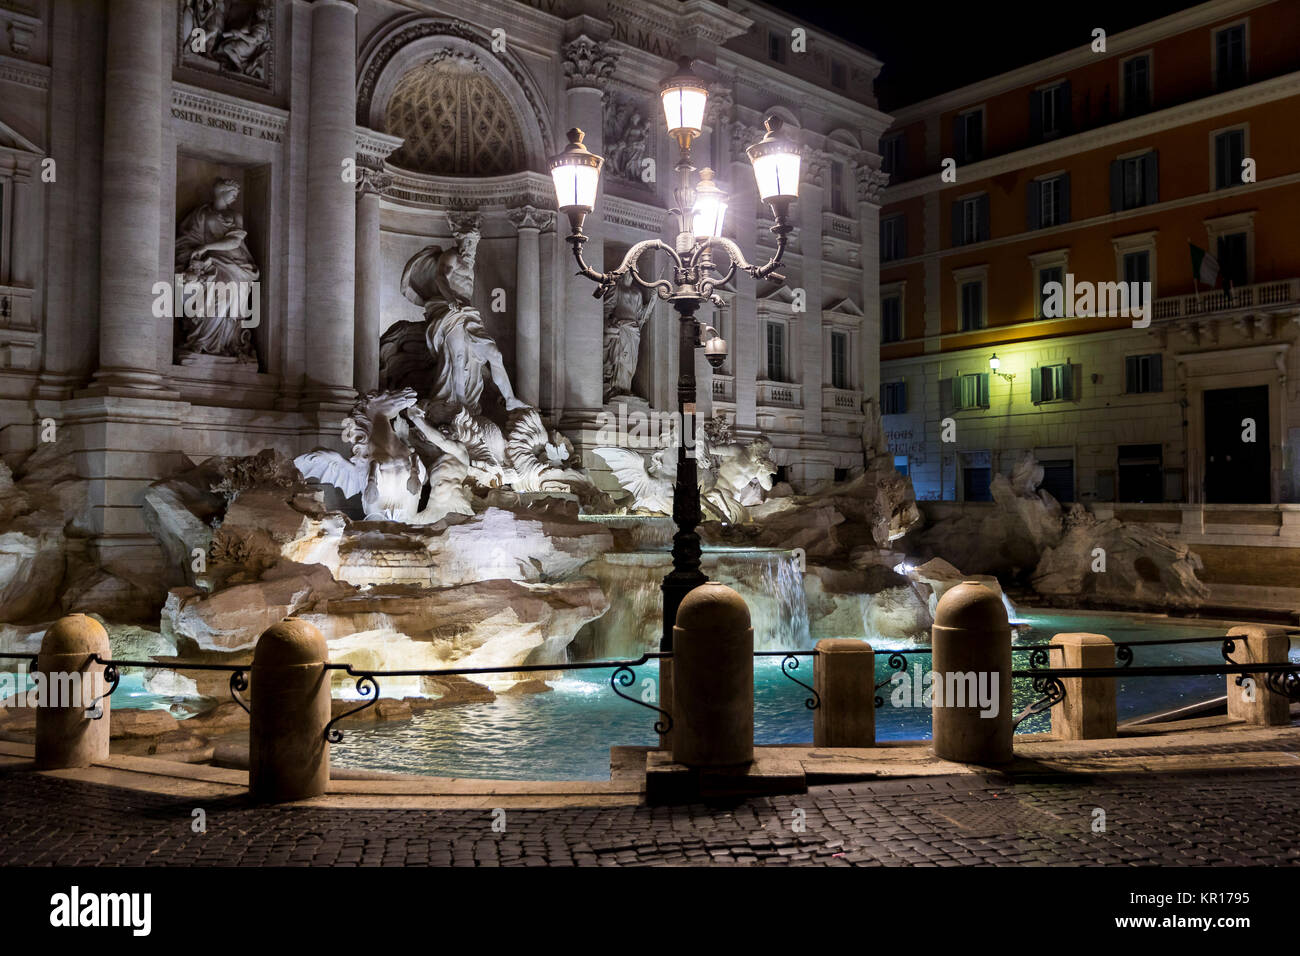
(1205, 268)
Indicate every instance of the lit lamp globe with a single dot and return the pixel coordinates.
(710, 207)
(576, 174)
(995, 363)
(776, 168)
(684, 96)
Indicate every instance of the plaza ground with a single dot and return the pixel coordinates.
(1197, 798)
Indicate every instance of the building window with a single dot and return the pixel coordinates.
(969, 136)
(970, 391)
(1141, 475)
(1137, 272)
(970, 220)
(893, 398)
(891, 156)
(972, 306)
(1058, 478)
(1045, 276)
(1048, 202)
(1134, 182)
(1049, 111)
(837, 187)
(1137, 85)
(839, 360)
(1229, 153)
(1234, 263)
(775, 47)
(893, 238)
(839, 75)
(900, 464)
(891, 319)
(775, 332)
(1230, 57)
(1052, 383)
(1142, 374)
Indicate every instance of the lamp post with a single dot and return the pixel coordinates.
(700, 210)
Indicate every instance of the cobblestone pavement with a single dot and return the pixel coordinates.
(1247, 817)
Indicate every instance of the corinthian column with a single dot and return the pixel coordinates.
(130, 214)
(587, 66)
(529, 221)
(365, 346)
(331, 206)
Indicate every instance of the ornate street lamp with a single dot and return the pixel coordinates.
(700, 210)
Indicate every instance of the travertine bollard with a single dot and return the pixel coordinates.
(1088, 711)
(65, 736)
(971, 646)
(713, 679)
(844, 676)
(289, 757)
(1258, 644)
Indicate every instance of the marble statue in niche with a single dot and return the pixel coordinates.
(212, 250)
(231, 36)
(627, 138)
(627, 309)
(441, 281)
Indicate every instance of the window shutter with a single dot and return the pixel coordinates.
(1157, 384)
(1074, 378)
(1032, 193)
(956, 223)
(982, 218)
(1116, 185)
(1064, 109)
(1151, 177)
(900, 238)
(902, 397)
(959, 138)
(1064, 211)
(1036, 385)
(984, 390)
(900, 160)
(1036, 114)
(1130, 374)
(956, 391)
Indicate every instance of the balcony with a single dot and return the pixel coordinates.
(1261, 295)
(780, 394)
(840, 227)
(843, 401)
(724, 387)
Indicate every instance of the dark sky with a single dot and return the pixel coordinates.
(929, 46)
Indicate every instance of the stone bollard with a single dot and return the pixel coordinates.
(1088, 711)
(844, 676)
(65, 736)
(1257, 644)
(713, 679)
(971, 653)
(289, 758)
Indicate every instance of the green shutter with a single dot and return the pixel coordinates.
(956, 392)
(984, 390)
(1035, 385)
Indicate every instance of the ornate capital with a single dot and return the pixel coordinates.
(869, 183)
(721, 106)
(530, 217)
(372, 180)
(463, 223)
(742, 137)
(812, 167)
(587, 63)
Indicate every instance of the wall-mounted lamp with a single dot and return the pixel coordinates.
(995, 363)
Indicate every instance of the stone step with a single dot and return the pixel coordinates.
(669, 782)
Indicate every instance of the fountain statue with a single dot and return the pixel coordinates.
(212, 250)
(627, 309)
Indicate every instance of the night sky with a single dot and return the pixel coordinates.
(929, 46)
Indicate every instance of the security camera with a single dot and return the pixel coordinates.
(715, 350)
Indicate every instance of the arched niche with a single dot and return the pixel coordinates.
(411, 42)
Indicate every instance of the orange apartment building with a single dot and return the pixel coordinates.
(1101, 167)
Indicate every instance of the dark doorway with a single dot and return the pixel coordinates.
(1140, 473)
(1236, 470)
(1058, 478)
(976, 484)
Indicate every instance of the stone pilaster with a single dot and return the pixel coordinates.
(870, 180)
(806, 363)
(331, 206)
(365, 346)
(130, 223)
(748, 345)
(529, 222)
(587, 66)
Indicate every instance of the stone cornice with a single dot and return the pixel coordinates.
(497, 192)
(224, 107)
(1130, 129)
(32, 75)
(641, 216)
(373, 147)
